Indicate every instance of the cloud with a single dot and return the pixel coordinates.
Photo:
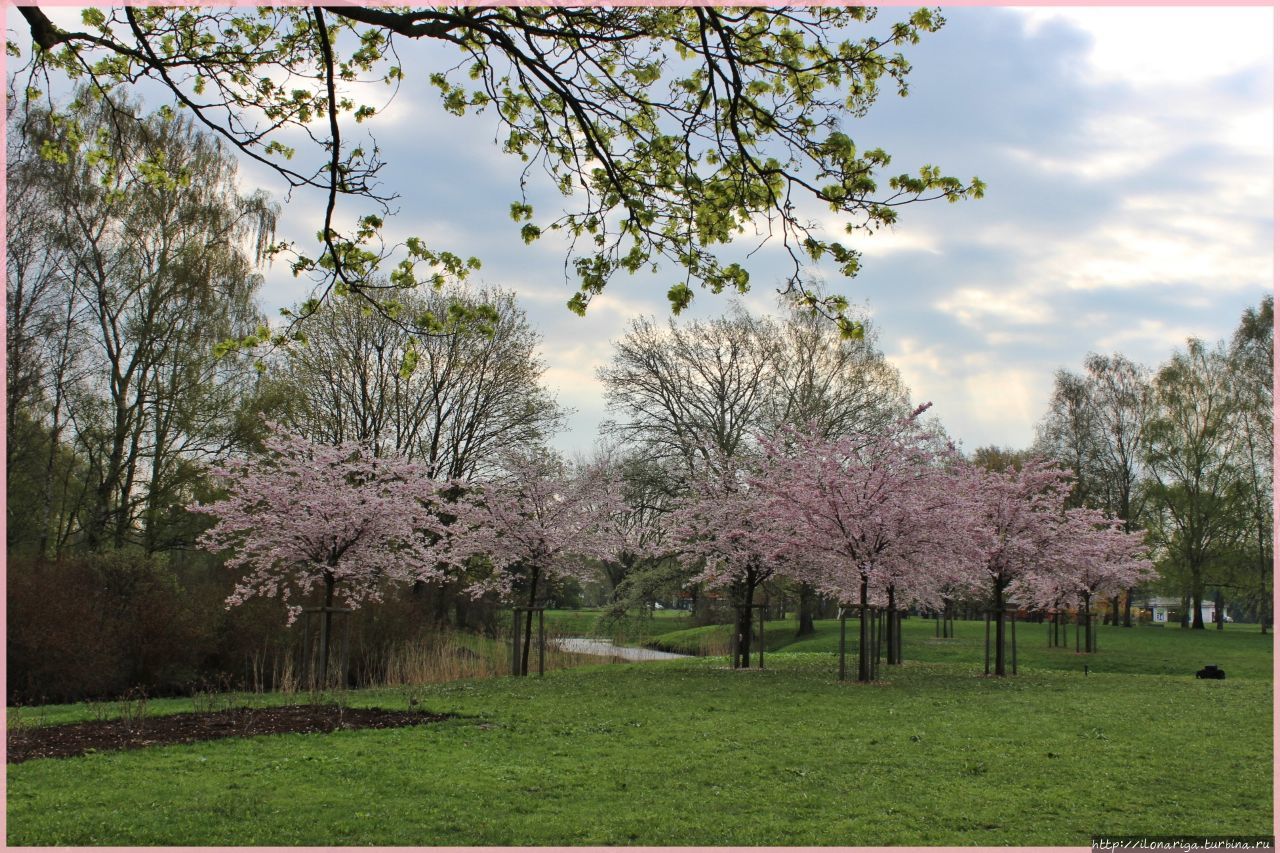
(977, 306)
(1174, 47)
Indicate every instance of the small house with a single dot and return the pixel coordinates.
(1168, 609)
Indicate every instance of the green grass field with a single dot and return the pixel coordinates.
(690, 752)
(1240, 649)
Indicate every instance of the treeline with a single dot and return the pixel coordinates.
(1184, 452)
(133, 259)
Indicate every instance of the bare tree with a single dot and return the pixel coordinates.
(639, 569)
(834, 385)
(1094, 427)
(1120, 395)
(455, 402)
(695, 394)
(1069, 433)
(43, 348)
(689, 391)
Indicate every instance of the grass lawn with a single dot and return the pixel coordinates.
(1240, 649)
(690, 752)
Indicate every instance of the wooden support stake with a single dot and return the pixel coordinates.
(1013, 639)
(762, 609)
(986, 648)
(897, 638)
(515, 642)
(877, 620)
(844, 616)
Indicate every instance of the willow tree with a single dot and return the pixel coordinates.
(671, 132)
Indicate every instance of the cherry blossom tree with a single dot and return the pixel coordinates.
(1015, 515)
(874, 511)
(303, 515)
(1050, 591)
(722, 525)
(537, 522)
(1092, 556)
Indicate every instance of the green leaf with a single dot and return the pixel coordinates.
(680, 296)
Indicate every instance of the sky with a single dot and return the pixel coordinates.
(1128, 157)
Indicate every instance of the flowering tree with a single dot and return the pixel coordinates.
(1050, 591)
(1015, 514)
(1092, 555)
(304, 515)
(537, 522)
(873, 510)
(723, 525)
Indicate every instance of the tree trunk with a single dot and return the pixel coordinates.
(742, 641)
(864, 635)
(1197, 595)
(1185, 618)
(528, 622)
(1218, 615)
(1128, 607)
(897, 625)
(805, 611)
(1264, 564)
(1087, 612)
(326, 629)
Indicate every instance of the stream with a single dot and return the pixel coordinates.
(590, 646)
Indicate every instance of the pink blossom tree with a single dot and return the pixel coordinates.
(1048, 591)
(1015, 515)
(1092, 556)
(303, 515)
(537, 522)
(721, 525)
(875, 514)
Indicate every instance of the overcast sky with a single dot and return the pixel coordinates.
(1128, 159)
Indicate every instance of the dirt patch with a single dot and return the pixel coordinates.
(72, 739)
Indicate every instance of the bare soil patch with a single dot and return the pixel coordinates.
(72, 739)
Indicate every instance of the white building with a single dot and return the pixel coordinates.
(1163, 607)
